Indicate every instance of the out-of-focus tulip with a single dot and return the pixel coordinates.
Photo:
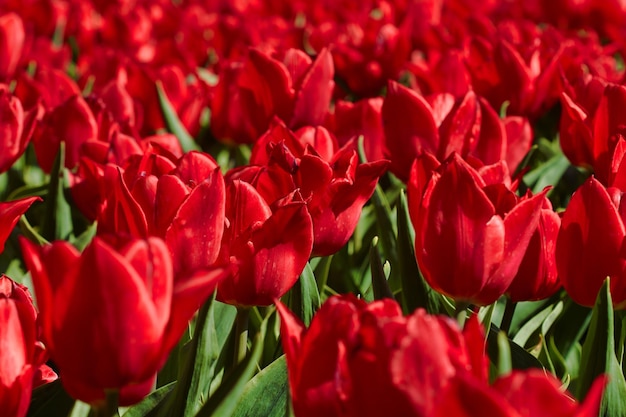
(267, 247)
(363, 117)
(296, 89)
(111, 315)
(471, 231)
(22, 357)
(590, 245)
(532, 393)
(12, 39)
(17, 127)
(359, 359)
(71, 122)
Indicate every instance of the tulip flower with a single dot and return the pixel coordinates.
(296, 89)
(333, 183)
(267, 247)
(22, 356)
(363, 117)
(440, 125)
(590, 244)
(17, 127)
(537, 276)
(471, 231)
(72, 122)
(182, 203)
(12, 39)
(359, 359)
(591, 126)
(111, 315)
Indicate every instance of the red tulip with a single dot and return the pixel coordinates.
(440, 125)
(368, 360)
(111, 315)
(266, 247)
(590, 244)
(591, 125)
(73, 123)
(182, 203)
(22, 357)
(296, 89)
(333, 183)
(17, 127)
(471, 231)
(537, 276)
(363, 117)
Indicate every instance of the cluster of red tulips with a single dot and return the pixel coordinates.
(331, 208)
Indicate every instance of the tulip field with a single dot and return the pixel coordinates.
(295, 208)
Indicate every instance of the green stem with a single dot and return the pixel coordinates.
(507, 317)
(110, 406)
(461, 312)
(241, 334)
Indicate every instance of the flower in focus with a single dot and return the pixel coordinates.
(359, 359)
(590, 245)
(267, 247)
(537, 276)
(440, 125)
(471, 230)
(111, 315)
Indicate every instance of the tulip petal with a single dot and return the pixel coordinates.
(589, 243)
(196, 231)
(520, 223)
(462, 239)
(10, 213)
(409, 126)
(313, 97)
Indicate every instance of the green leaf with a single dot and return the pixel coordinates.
(598, 357)
(570, 327)
(50, 400)
(30, 232)
(225, 399)
(82, 240)
(305, 297)
(416, 292)
(379, 278)
(151, 403)
(28, 191)
(548, 173)
(196, 372)
(532, 326)
(57, 223)
(174, 125)
(266, 394)
(80, 409)
(322, 269)
(505, 363)
(386, 232)
(520, 359)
